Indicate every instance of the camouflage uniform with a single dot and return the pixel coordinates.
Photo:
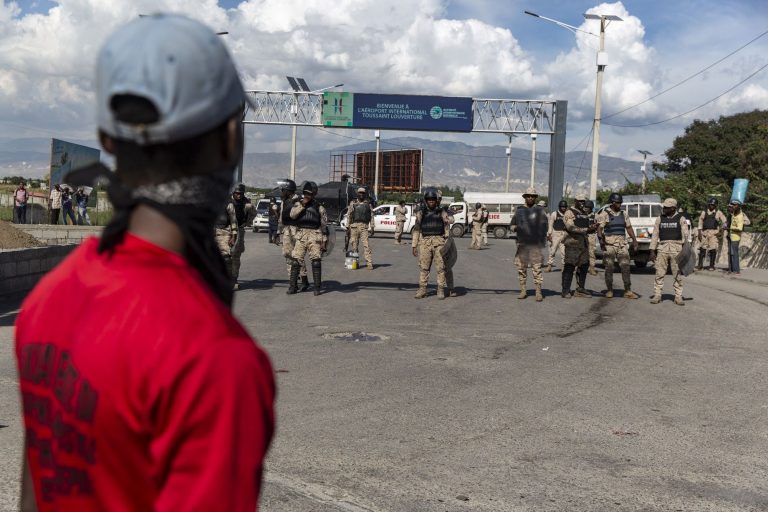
(288, 235)
(244, 214)
(400, 212)
(531, 226)
(477, 229)
(708, 234)
(556, 237)
(430, 248)
(616, 249)
(358, 229)
(666, 255)
(226, 229)
(576, 252)
(309, 241)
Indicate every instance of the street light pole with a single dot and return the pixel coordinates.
(376, 170)
(533, 157)
(509, 161)
(294, 111)
(645, 154)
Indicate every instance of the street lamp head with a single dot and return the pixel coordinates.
(533, 135)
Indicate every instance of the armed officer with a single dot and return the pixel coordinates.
(589, 209)
(244, 213)
(400, 213)
(711, 222)
(287, 230)
(226, 234)
(477, 227)
(577, 227)
(669, 234)
(556, 234)
(612, 227)
(359, 219)
(311, 236)
(530, 224)
(430, 236)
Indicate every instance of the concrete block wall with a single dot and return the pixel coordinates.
(60, 235)
(21, 269)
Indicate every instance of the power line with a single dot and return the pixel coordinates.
(693, 109)
(688, 78)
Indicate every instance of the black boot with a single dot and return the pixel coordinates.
(581, 281)
(712, 258)
(304, 284)
(567, 278)
(292, 283)
(702, 253)
(316, 275)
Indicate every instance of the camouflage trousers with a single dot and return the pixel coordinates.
(576, 251)
(288, 240)
(308, 241)
(429, 252)
(477, 235)
(237, 250)
(358, 234)
(222, 242)
(592, 241)
(399, 230)
(709, 240)
(617, 250)
(529, 255)
(556, 245)
(666, 255)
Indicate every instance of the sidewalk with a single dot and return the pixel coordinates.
(749, 275)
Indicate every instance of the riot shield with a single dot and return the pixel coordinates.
(330, 231)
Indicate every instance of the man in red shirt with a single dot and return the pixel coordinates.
(151, 396)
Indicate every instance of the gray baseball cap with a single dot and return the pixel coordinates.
(181, 66)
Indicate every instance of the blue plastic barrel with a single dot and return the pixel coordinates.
(740, 190)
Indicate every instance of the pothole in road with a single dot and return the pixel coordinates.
(355, 337)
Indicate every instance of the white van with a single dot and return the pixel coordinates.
(501, 207)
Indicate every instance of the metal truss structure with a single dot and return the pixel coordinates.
(490, 115)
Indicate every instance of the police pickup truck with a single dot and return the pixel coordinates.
(641, 211)
(384, 220)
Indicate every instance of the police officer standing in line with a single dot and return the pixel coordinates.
(430, 235)
(711, 222)
(311, 236)
(530, 224)
(226, 234)
(556, 234)
(244, 213)
(400, 213)
(359, 219)
(589, 208)
(612, 227)
(669, 234)
(577, 227)
(287, 230)
(484, 228)
(477, 227)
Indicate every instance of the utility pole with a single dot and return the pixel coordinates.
(509, 161)
(642, 169)
(533, 158)
(376, 170)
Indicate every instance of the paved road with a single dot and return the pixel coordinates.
(488, 403)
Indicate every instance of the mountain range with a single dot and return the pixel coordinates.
(477, 168)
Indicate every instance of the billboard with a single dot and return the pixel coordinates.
(66, 156)
(397, 112)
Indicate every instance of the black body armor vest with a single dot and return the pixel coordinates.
(617, 225)
(432, 222)
(310, 217)
(582, 219)
(670, 228)
(361, 212)
(239, 212)
(710, 220)
(559, 224)
(285, 215)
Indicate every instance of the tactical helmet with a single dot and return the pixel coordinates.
(240, 188)
(562, 204)
(589, 205)
(309, 187)
(615, 198)
(287, 184)
(431, 193)
(712, 201)
(478, 205)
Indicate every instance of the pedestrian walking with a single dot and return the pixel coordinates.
(530, 223)
(20, 199)
(577, 227)
(81, 200)
(711, 223)
(735, 229)
(66, 206)
(154, 397)
(431, 235)
(400, 216)
(612, 228)
(669, 234)
(556, 234)
(477, 227)
(359, 221)
(311, 236)
(54, 203)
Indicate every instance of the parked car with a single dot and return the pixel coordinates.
(384, 219)
(261, 221)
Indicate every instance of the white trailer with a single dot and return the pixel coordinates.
(501, 207)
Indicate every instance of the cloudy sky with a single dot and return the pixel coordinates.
(478, 48)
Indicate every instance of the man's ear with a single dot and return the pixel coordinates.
(107, 142)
